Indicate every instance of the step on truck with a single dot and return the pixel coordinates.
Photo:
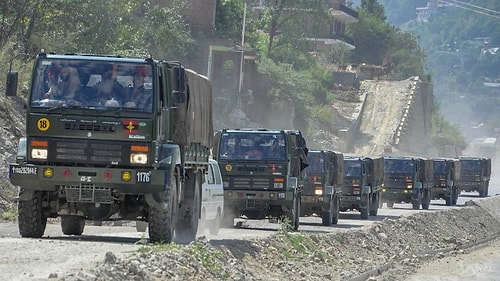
(407, 180)
(446, 177)
(475, 175)
(321, 193)
(262, 172)
(363, 177)
(93, 152)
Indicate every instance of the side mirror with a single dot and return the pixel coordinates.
(179, 79)
(11, 86)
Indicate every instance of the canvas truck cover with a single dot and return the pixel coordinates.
(194, 119)
(377, 175)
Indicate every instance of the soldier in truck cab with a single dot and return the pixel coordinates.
(66, 86)
(138, 96)
(108, 92)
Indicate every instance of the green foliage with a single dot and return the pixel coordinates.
(159, 247)
(9, 215)
(446, 134)
(207, 258)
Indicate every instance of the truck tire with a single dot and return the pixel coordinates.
(72, 225)
(216, 223)
(375, 204)
(227, 218)
(187, 222)
(365, 209)
(426, 200)
(336, 211)
(31, 219)
(484, 192)
(162, 217)
(327, 217)
(141, 226)
(449, 200)
(296, 213)
(454, 197)
(416, 202)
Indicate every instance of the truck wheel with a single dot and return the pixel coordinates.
(364, 209)
(426, 201)
(227, 218)
(484, 192)
(161, 219)
(296, 213)
(327, 217)
(187, 222)
(417, 202)
(448, 200)
(336, 211)
(216, 223)
(72, 225)
(454, 197)
(141, 226)
(390, 204)
(31, 219)
(374, 205)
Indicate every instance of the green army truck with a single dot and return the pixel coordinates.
(446, 177)
(321, 193)
(91, 154)
(408, 180)
(363, 178)
(262, 173)
(475, 175)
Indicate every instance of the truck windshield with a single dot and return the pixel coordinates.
(352, 168)
(252, 146)
(440, 167)
(316, 161)
(92, 84)
(399, 166)
(470, 165)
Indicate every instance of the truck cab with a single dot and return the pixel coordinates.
(446, 177)
(262, 172)
(409, 180)
(322, 185)
(475, 174)
(362, 184)
(91, 153)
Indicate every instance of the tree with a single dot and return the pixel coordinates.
(288, 23)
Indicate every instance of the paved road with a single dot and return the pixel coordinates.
(479, 265)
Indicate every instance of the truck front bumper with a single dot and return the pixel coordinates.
(53, 178)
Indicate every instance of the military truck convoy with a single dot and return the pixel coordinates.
(112, 138)
(93, 152)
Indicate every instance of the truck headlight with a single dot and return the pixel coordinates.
(39, 153)
(138, 158)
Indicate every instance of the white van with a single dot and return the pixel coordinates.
(212, 200)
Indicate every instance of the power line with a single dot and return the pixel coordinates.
(477, 9)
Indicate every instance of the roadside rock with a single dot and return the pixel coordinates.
(397, 246)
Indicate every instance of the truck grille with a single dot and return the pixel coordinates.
(87, 151)
(250, 183)
(88, 193)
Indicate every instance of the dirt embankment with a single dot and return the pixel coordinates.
(389, 246)
(395, 116)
